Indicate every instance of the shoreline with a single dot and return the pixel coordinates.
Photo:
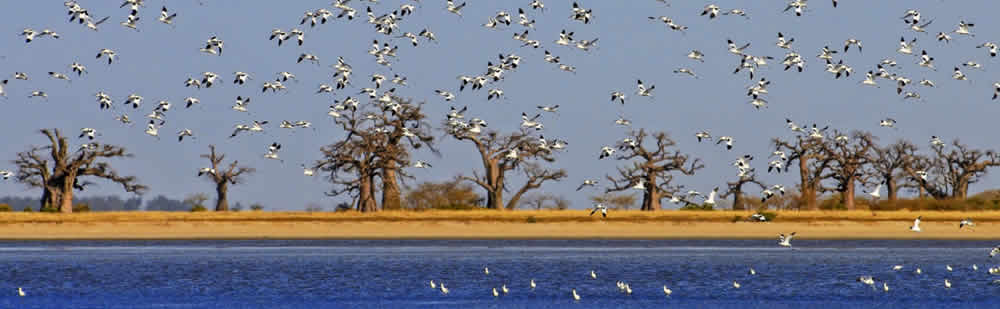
(514, 225)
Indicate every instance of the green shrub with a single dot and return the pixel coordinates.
(49, 209)
(701, 207)
(5, 208)
(531, 219)
(256, 207)
(82, 207)
(769, 215)
(28, 209)
(198, 208)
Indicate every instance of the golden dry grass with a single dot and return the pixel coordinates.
(485, 224)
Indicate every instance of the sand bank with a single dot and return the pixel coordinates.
(490, 225)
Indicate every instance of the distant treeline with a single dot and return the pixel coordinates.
(108, 203)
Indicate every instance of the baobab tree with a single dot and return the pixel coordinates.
(735, 188)
(888, 165)
(59, 179)
(812, 163)
(848, 154)
(654, 167)
(223, 176)
(502, 153)
(352, 165)
(406, 130)
(956, 169)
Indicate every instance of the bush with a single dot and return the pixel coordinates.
(256, 207)
(698, 207)
(531, 219)
(5, 208)
(770, 216)
(28, 209)
(451, 195)
(198, 208)
(81, 207)
(49, 209)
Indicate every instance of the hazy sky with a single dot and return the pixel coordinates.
(155, 61)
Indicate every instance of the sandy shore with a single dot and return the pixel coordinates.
(489, 225)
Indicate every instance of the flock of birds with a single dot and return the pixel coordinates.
(385, 52)
(783, 240)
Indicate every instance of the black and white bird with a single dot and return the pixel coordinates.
(700, 135)
(90, 133)
(587, 183)
(107, 52)
(601, 208)
(966, 222)
(606, 151)
(785, 241)
(916, 224)
(644, 91)
(272, 152)
(455, 9)
(166, 17)
(182, 133)
(726, 139)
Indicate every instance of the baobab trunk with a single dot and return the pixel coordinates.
(651, 196)
(221, 190)
(890, 188)
(808, 194)
(366, 200)
(848, 195)
(494, 198)
(738, 200)
(808, 197)
(50, 198)
(66, 200)
(391, 199)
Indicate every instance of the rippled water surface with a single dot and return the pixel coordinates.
(395, 274)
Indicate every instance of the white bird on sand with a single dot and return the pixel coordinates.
(966, 222)
(444, 290)
(593, 275)
(486, 270)
(433, 286)
(736, 285)
(495, 293)
(604, 213)
(20, 292)
(785, 241)
(532, 284)
(948, 267)
(947, 284)
(576, 297)
(504, 289)
(667, 291)
(916, 224)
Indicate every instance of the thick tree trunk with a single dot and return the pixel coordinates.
(848, 194)
(807, 198)
(738, 200)
(494, 198)
(366, 200)
(221, 190)
(651, 196)
(391, 196)
(66, 200)
(50, 198)
(961, 190)
(891, 189)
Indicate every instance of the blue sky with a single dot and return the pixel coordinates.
(155, 61)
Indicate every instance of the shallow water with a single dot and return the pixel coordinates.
(395, 274)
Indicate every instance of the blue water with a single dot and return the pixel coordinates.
(395, 274)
